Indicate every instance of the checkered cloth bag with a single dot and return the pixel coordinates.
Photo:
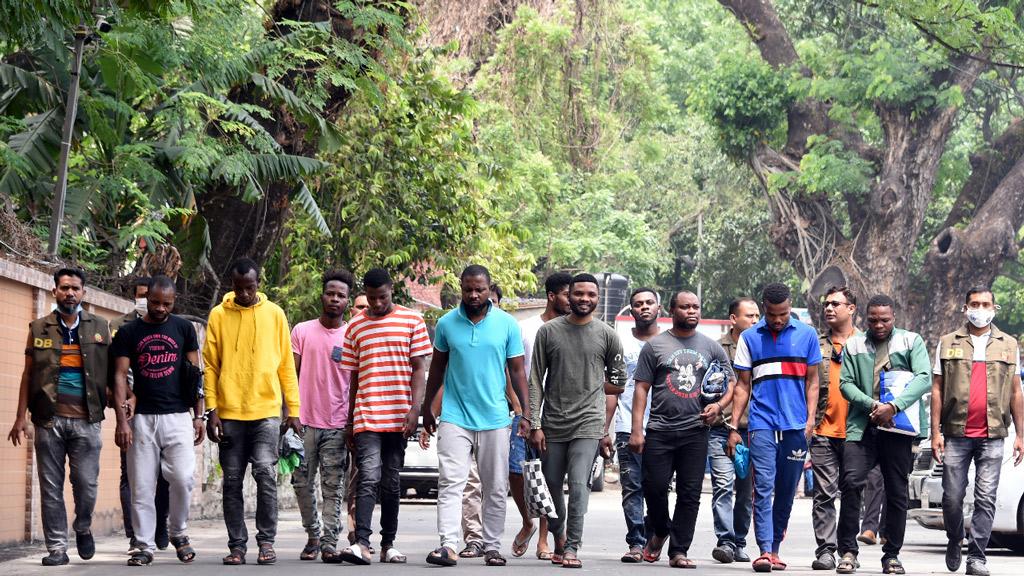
(538, 497)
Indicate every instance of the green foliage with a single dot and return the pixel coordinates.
(745, 100)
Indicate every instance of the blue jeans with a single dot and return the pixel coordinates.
(777, 462)
(732, 522)
(77, 442)
(987, 454)
(631, 481)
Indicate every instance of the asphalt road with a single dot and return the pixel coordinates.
(603, 545)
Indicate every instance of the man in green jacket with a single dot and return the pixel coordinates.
(884, 374)
(975, 392)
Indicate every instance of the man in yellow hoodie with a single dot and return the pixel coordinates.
(249, 365)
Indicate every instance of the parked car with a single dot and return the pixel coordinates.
(420, 471)
(1008, 524)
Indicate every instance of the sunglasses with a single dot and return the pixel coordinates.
(835, 303)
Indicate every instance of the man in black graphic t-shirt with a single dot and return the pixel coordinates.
(162, 433)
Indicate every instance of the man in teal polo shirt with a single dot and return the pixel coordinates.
(473, 345)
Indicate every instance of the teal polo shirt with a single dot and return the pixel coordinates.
(474, 382)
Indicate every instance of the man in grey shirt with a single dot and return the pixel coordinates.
(672, 367)
(576, 360)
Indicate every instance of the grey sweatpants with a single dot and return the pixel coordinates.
(574, 458)
(455, 448)
(161, 443)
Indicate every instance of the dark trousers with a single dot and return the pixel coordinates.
(683, 453)
(380, 456)
(892, 453)
(162, 500)
(631, 482)
(873, 515)
(252, 442)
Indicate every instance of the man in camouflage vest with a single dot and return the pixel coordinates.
(64, 387)
(975, 391)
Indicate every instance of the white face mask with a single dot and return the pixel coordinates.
(141, 306)
(980, 317)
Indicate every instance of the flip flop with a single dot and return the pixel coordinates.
(267, 555)
(443, 556)
(680, 561)
(545, 555)
(519, 547)
(310, 551)
(652, 551)
(494, 558)
(391, 555)
(569, 560)
(236, 557)
(354, 555)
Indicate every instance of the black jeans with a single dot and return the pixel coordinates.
(683, 452)
(162, 502)
(250, 442)
(380, 456)
(892, 453)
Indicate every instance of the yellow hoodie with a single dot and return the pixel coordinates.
(248, 356)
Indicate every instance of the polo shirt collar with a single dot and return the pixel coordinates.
(762, 324)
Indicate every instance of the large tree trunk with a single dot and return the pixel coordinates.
(253, 230)
(887, 224)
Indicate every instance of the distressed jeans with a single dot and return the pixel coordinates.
(732, 519)
(631, 476)
(77, 442)
(987, 455)
(326, 459)
(252, 442)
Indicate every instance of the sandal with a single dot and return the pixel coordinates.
(329, 555)
(763, 563)
(494, 558)
(182, 547)
(652, 551)
(267, 555)
(681, 561)
(545, 555)
(892, 565)
(848, 564)
(520, 546)
(140, 558)
(472, 550)
(235, 558)
(569, 560)
(777, 563)
(391, 555)
(556, 557)
(634, 556)
(443, 556)
(310, 550)
(354, 555)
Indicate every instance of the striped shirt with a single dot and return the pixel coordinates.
(381, 350)
(71, 382)
(778, 364)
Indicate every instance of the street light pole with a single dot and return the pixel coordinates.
(60, 188)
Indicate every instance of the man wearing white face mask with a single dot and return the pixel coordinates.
(140, 289)
(975, 391)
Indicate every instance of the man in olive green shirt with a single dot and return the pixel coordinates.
(573, 358)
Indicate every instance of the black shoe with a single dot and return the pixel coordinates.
(976, 568)
(85, 544)
(824, 561)
(723, 554)
(56, 558)
(953, 555)
(739, 555)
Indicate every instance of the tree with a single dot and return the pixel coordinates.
(848, 126)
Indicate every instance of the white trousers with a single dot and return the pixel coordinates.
(455, 448)
(161, 443)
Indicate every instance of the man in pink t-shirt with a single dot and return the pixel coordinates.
(323, 412)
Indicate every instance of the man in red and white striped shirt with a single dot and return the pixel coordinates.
(386, 347)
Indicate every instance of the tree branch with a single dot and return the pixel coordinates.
(988, 169)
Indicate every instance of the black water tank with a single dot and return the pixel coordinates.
(614, 295)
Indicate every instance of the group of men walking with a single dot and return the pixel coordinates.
(753, 404)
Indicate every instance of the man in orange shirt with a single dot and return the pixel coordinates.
(840, 308)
